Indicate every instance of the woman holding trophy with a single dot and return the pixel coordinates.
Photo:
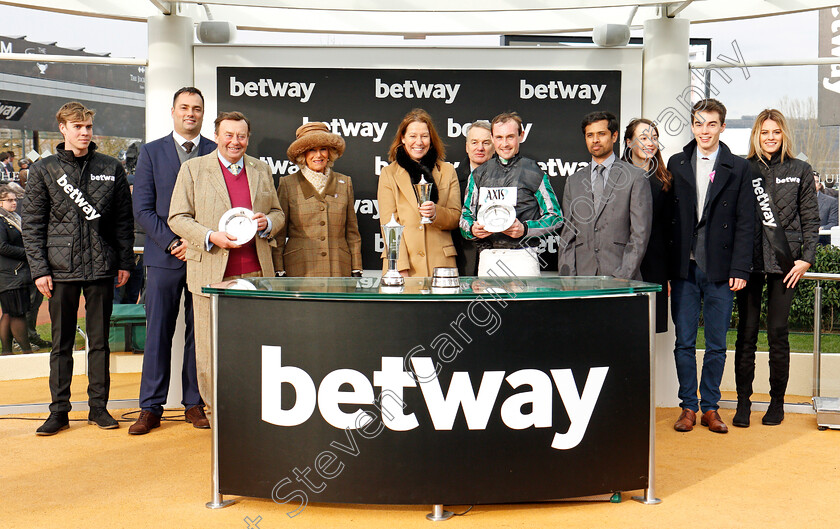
(318, 202)
(421, 191)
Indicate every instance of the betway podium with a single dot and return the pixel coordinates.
(514, 390)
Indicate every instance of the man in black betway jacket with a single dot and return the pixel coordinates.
(78, 234)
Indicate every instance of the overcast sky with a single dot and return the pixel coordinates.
(781, 37)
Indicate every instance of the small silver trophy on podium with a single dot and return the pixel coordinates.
(392, 232)
(424, 194)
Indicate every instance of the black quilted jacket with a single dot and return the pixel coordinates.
(14, 270)
(791, 184)
(64, 235)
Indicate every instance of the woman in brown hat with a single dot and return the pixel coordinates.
(321, 223)
(417, 152)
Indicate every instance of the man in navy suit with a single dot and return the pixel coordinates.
(164, 256)
(713, 250)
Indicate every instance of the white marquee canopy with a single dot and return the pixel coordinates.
(418, 18)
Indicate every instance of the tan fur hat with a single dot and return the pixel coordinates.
(313, 135)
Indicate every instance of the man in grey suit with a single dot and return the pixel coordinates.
(609, 209)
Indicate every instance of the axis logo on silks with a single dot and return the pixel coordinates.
(394, 379)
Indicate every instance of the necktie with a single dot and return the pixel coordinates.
(598, 189)
(234, 168)
(188, 146)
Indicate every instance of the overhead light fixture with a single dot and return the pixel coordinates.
(214, 31)
(612, 35)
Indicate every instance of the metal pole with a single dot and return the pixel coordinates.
(703, 65)
(438, 514)
(650, 495)
(83, 59)
(218, 502)
(817, 336)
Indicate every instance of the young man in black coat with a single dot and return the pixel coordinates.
(713, 241)
(78, 231)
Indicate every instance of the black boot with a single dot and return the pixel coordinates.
(775, 413)
(742, 414)
(56, 422)
(101, 418)
(37, 341)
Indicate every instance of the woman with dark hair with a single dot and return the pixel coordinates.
(785, 245)
(417, 152)
(14, 276)
(318, 202)
(641, 148)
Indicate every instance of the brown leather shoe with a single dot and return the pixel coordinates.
(712, 419)
(145, 423)
(196, 416)
(686, 421)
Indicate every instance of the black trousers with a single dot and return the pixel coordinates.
(35, 299)
(64, 305)
(779, 299)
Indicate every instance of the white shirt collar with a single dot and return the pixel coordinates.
(180, 139)
(227, 164)
(712, 157)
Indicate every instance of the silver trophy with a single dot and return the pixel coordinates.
(424, 194)
(392, 232)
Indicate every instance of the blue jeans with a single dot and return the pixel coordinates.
(687, 296)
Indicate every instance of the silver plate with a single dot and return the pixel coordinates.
(240, 284)
(496, 217)
(238, 223)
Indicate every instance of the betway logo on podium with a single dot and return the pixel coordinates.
(393, 379)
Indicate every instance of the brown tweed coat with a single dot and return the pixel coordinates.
(199, 200)
(323, 232)
(423, 246)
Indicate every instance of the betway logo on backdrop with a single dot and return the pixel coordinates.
(395, 376)
(560, 90)
(364, 129)
(411, 89)
(269, 88)
(455, 129)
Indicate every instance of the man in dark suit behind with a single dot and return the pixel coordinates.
(713, 244)
(827, 200)
(164, 256)
(479, 150)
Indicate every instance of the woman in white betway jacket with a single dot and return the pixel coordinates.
(786, 231)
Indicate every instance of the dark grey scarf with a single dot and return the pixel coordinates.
(417, 170)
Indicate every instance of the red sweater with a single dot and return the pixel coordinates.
(241, 260)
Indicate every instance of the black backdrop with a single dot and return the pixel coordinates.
(423, 465)
(552, 112)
